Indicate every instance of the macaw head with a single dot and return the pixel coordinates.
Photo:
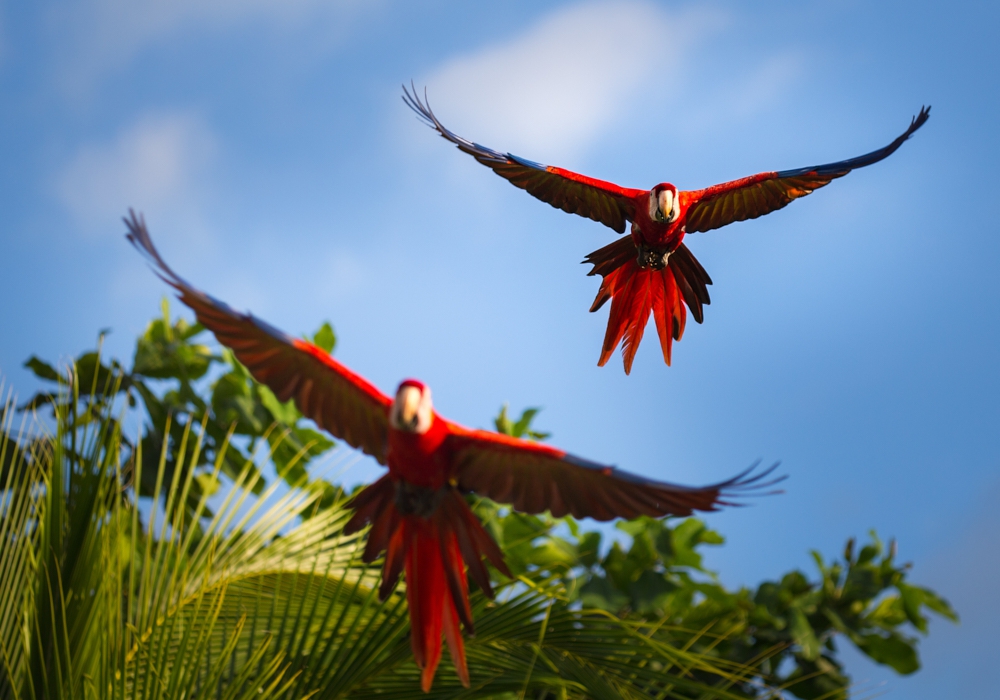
(663, 205)
(412, 410)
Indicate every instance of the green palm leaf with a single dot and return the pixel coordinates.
(103, 595)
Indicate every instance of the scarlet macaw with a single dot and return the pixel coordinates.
(652, 271)
(417, 512)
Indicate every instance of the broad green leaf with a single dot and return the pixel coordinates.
(685, 538)
(163, 351)
(589, 548)
(639, 526)
(503, 423)
(915, 598)
(938, 604)
(233, 404)
(795, 584)
(600, 593)
(803, 635)
(42, 369)
(325, 337)
(520, 428)
(285, 412)
(648, 593)
(892, 650)
(617, 566)
(863, 582)
(869, 552)
(642, 555)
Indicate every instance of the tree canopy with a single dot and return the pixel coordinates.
(165, 564)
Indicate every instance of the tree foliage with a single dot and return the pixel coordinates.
(787, 629)
(118, 580)
(106, 595)
(211, 394)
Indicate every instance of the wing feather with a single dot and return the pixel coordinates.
(757, 195)
(338, 400)
(533, 478)
(604, 202)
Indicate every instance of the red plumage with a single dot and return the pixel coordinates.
(435, 585)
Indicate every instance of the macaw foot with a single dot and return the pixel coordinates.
(417, 500)
(651, 257)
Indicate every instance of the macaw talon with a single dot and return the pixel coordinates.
(417, 500)
(652, 258)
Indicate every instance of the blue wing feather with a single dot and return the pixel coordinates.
(845, 166)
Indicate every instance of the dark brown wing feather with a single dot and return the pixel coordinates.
(338, 400)
(749, 198)
(604, 202)
(757, 195)
(533, 478)
(692, 279)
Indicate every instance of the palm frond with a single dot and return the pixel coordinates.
(106, 595)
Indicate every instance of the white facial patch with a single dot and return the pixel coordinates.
(667, 205)
(661, 207)
(412, 410)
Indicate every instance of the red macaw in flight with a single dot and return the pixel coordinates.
(417, 512)
(652, 271)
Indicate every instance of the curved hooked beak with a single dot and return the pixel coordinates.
(666, 205)
(412, 410)
(409, 401)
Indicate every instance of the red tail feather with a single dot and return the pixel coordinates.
(668, 310)
(456, 647)
(621, 284)
(636, 293)
(432, 609)
(637, 314)
(662, 302)
(433, 551)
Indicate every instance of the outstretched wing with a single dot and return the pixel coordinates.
(337, 399)
(763, 193)
(601, 201)
(533, 478)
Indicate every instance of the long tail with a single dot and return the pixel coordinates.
(432, 551)
(636, 293)
(437, 593)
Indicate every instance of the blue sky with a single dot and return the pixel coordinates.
(853, 335)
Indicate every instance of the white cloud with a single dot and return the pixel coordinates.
(552, 89)
(155, 165)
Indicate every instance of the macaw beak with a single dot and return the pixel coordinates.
(412, 409)
(661, 207)
(667, 204)
(408, 400)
